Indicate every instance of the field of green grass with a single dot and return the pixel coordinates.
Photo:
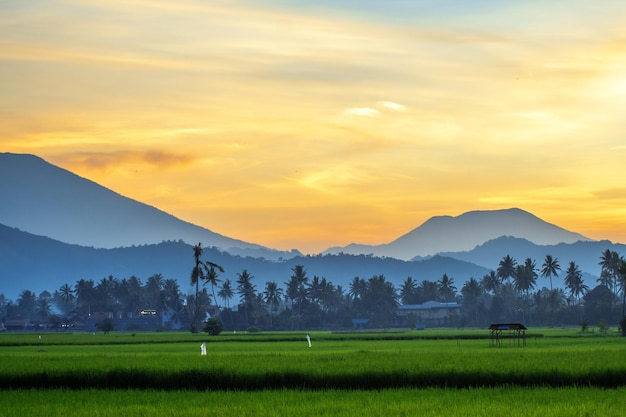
(558, 373)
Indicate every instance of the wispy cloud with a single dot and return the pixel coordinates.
(309, 109)
(125, 159)
(390, 105)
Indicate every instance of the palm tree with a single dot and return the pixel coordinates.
(408, 291)
(297, 292)
(226, 292)
(610, 262)
(316, 288)
(381, 300)
(622, 276)
(472, 291)
(152, 291)
(574, 282)
(506, 268)
(300, 277)
(172, 299)
(130, 292)
(525, 277)
(211, 278)
(272, 296)
(67, 293)
(105, 293)
(85, 295)
(491, 283)
(427, 291)
(200, 272)
(246, 291)
(357, 288)
(27, 304)
(43, 309)
(446, 290)
(327, 296)
(550, 268)
(64, 298)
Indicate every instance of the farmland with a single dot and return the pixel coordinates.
(558, 372)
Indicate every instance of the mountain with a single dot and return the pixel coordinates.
(38, 263)
(46, 200)
(586, 254)
(464, 232)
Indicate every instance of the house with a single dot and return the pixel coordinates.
(15, 323)
(431, 314)
(359, 323)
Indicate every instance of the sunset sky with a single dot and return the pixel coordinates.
(299, 124)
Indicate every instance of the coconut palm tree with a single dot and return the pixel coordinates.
(491, 283)
(427, 291)
(246, 291)
(105, 293)
(66, 293)
(357, 288)
(43, 309)
(272, 296)
(152, 292)
(172, 299)
(130, 293)
(200, 272)
(408, 291)
(380, 300)
(525, 277)
(226, 292)
(506, 268)
(85, 295)
(550, 268)
(472, 292)
(622, 276)
(574, 281)
(446, 288)
(27, 304)
(609, 275)
(299, 276)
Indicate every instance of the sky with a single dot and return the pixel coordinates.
(298, 124)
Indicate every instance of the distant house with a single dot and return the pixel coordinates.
(359, 323)
(429, 314)
(15, 323)
(101, 315)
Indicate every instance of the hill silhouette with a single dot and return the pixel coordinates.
(464, 232)
(39, 263)
(46, 200)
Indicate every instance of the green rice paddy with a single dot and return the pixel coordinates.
(415, 373)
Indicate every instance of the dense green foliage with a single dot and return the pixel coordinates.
(512, 292)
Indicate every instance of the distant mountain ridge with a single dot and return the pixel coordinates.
(38, 263)
(464, 232)
(46, 200)
(586, 254)
(57, 227)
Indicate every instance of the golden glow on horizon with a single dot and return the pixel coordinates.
(314, 127)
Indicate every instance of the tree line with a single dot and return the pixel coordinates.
(510, 293)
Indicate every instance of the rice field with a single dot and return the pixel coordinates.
(416, 373)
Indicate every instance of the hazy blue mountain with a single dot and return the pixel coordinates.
(464, 232)
(586, 254)
(39, 263)
(46, 200)
(61, 228)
